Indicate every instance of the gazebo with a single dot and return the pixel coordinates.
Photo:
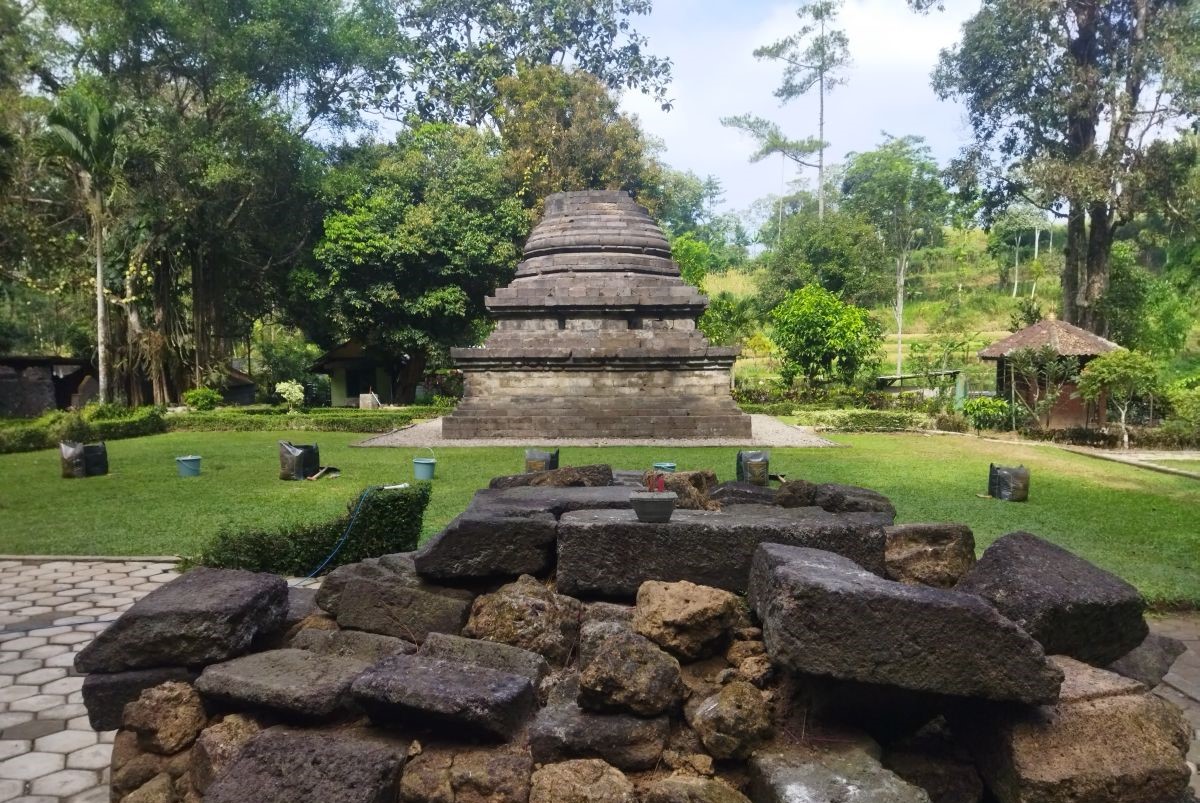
(1066, 341)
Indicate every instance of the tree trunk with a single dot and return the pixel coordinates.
(1099, 252)
(103, 355)
(1124, 429)
(405, 389)
(821, 134)
(1074, 275)
(1016, 265)
(901, 269)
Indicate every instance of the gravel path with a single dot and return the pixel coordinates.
(767, 431)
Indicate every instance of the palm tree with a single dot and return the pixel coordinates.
(88, 136)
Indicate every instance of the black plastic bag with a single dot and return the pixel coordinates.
(298, 462)
(95, 459)
(538, 460)
(1008, 484)
(74, 467)
(754, 467)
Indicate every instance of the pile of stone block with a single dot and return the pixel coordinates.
(794, 645)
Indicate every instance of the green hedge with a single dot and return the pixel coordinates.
(234, 421)
(99, 424)
(856, 420)
(389, 521)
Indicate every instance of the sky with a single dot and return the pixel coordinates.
(711, 43)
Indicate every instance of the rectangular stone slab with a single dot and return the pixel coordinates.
(609, 553)
(105, 695)
(480, 544)
(291, 682)
(410, 690)
(394, 610)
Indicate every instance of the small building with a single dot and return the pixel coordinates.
(1065, 340)
(354, 372)
(239, 388)
(32, 385)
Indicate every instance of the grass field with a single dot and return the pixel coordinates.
(1140, 524)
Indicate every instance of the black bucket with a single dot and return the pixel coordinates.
(1008, 483)
(298, 462)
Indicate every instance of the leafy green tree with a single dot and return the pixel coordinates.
(819, 335)
(730, 320)
(694, 258)
(898, 189)
(812, 57)
(1067, 96)
(419, 233)
(90, 137)
(1121, 376)
(563, 130)
(1039, 377)
(1141, 311)
(455, 52)
(686, 205)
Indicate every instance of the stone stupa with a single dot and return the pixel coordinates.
(596, 338)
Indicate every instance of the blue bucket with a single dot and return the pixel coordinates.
(189, 466)
(669, 467)
(423, 467)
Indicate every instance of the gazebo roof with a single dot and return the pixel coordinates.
(1065, 339)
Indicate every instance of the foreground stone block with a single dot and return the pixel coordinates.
(802, 773)
(166, 718)
(393, 610)
(203, 616)
(683, 789)
(1148, 663)
(216, 746)
(706, 548)
(566, 477)
(834, 498)
(622, 671)
(525, 501)
(732, 722)
(585, 780)
(527, 614)
(410, 689)
(935, 555)
(106, 695)
(309, 767)
(685, 619)
(291, 682)
(823, 615)
(490, 654)
(466, 776)
(1070, 606)
(742, 493)
(564, 730)
(1104, 741)
(480, 544)
(356, 644)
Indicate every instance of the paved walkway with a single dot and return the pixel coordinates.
(767, 431)
(50, 609)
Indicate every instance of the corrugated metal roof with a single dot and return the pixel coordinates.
(1066, 340)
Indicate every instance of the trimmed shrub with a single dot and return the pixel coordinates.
(388, 521)
(230, 421)
(863, 420)
(47, 431)
(202, 399)
(987, 412)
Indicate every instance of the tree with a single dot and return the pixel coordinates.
(1011, 227)
(822, 336)
(562, 130)
(1141, 311)
(90, 138)
(1038, 378)
(1068, 96)
(419, 233)
(898, 189)
(455, 52)
(812, 57)
(1121, 376)
(729, 320)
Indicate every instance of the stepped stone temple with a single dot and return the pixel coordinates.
(596, 337)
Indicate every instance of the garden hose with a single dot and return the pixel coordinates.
(350, 525)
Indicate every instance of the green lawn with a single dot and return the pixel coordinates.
(1141, 524)
(1182, 465)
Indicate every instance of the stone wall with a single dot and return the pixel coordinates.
(26, 392)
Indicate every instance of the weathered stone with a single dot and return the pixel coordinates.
(685, 789)
(564, 730)
(796, 493)
(584, 780)
(133, 768)
(608, 612)
(935, 555)
(491, 654)
(216, 745)
(886, 713)
(159, 789)
(199, 618)
(302, 603)
(528, 615)
(932, 761)
(407, 689)
(1104, 741)
(732, 722)
(688, 620)
(706, 548)
(756, 669)
(691, 487)
(356, 644)
(479, 544)
(1148, 663)
(392, 610)
(852, 499)
(334, 583)
(1069, 605)
(106, 695)
(802, 773)
(742, 493)
(292, 682)
(824, 615)
(526, 501)
(566, 477)
(166, 718)
(466, 776)
(623, 671)
(309, 767)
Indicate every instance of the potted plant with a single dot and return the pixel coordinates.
(655, 504)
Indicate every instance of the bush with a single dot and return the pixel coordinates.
(863, 420)
(388, 521)
(951, 422)
(202, 398)
(987, 412)
(1170, 435)
(312, 420)
(47, 431)
(292, 393)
